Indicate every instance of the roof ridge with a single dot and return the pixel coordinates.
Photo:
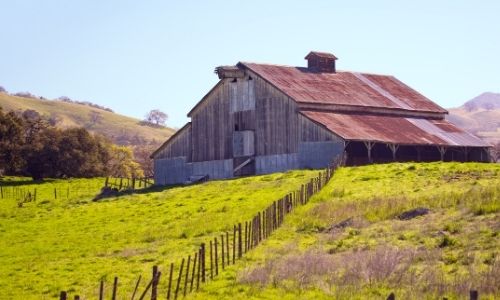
(305, 67)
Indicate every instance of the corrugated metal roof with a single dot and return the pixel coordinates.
(395, 130)
(343, 88)
(321, 54)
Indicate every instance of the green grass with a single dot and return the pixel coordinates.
(71, 243)
(445, 253)
(120, 129)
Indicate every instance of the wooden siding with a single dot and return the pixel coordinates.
(213, 121)
(178, 145)
(313, 132)
(249, 104)
(243, 143)
(244, 120)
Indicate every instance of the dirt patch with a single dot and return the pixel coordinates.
(413, 213)
(355, 222)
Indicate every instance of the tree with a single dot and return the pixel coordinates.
(142, 155)
(122, 164)
(2, 89)
(11, 142)
(156, 117)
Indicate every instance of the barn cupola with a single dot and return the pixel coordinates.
(321, 62)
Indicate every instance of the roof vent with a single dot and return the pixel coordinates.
(321, 62)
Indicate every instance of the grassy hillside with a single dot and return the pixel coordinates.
(348, 242)
(480, 115)
(120, 129)
(72, 242)
(483, 123)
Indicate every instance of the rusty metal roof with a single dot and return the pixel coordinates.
(321, 54)
(343, 88)
(394, 130)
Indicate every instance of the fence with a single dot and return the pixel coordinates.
(121, 183)
(40, 192)
(199, 267)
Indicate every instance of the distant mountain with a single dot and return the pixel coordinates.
(480, 116)
(120, 129)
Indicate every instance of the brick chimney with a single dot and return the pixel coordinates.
(321, 62)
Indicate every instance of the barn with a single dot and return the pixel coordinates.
(265, 118)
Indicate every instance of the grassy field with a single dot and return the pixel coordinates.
(120, 129)
(315, 255)
(71, 243)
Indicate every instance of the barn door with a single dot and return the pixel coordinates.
(243, 153)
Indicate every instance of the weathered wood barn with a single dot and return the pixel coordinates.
(263, 118)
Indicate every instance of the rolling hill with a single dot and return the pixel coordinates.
(120, 129)
(480, 116)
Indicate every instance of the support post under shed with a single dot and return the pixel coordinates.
(442, 151)
(394, 148)
(369, 145)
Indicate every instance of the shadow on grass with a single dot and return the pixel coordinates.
(107, 192)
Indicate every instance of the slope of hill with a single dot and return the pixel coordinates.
(346, 243)
(352, 241)
(480, 115)
(69, 242)
(120, 129)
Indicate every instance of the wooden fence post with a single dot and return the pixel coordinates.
(136, 287)
(154, 287)
(55, 193)
(222, 250)
(194, 269)
(115, 288)
(147, 289)
(179, 279)
(227, 247)
(200, 261)
(216, 257)
(203, 261)
(239, 241)
(234, 243)
(170, 280)
(187, 275)
(211, 261)
(246, 233)
(63, 295)
(474, 295)
(101, 290)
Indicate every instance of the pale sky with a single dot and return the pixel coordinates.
(133, 56)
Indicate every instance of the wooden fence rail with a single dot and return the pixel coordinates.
(226, 250)
(121, 183)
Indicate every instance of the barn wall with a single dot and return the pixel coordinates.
(177, 170)
(215, 169)
(178, 145)
(316, 155)
(276, 163)
(276, 120)
(171, 170)
(213, 122)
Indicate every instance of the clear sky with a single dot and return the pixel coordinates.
(133, 56)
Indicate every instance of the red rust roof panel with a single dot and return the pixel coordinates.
(343, 88)
(397, 130)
